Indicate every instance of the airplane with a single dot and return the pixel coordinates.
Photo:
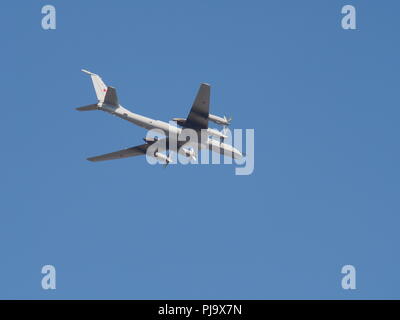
(198, 119)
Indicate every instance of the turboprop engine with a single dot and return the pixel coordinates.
(216, 133)
(223, 121)
(219, 120)
(212, 132)
(163, 157)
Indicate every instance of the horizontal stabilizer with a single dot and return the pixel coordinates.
(89, 107)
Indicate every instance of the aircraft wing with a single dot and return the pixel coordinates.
(124, 153)
(136, 151)
(198, 115)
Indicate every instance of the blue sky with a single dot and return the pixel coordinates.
(324, 104)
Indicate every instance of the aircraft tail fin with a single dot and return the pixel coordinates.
(98, 84)
(111, 97)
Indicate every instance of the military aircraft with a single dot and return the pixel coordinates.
(197, 120)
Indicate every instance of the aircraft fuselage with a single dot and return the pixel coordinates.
(149, 124)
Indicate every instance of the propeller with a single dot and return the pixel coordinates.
(225, 127)
(189, 152)
(193, 154)
(228, 120)
(167, 160)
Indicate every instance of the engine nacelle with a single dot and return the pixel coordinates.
(150, 140)
(223, 121)
(216, 133)
(219, 120)
(180, 121)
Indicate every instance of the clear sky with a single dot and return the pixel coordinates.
(324, 103)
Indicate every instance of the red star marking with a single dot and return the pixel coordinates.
(104, 90)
